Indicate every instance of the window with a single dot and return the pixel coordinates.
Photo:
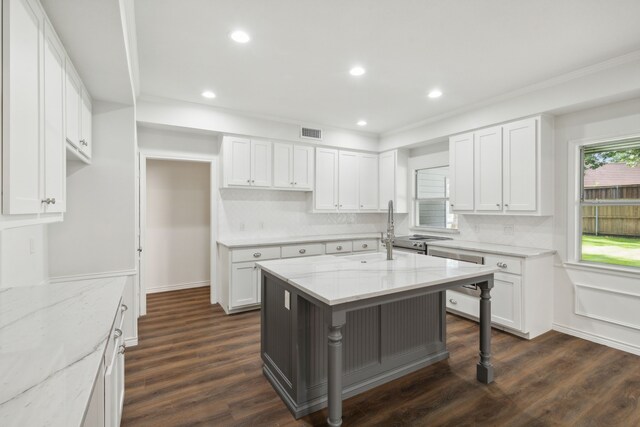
(432, 207)
(610, 203)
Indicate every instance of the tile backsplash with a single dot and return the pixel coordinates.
(527, 231)
(260, 214)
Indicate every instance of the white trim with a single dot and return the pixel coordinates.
(131, 342)
(91, 276)
(177, 287)
(598, 317)
(436, 230)
(599, 339)
(609, 269)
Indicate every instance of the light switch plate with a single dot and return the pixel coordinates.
(287, 300)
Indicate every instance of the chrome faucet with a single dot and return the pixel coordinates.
(388, 241)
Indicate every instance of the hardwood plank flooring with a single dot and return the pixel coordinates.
(195, 366)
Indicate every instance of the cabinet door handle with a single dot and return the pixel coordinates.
(365, 246)
(498, 204)
(117, 333)
(302, 251)
(122, 349)
(452, 301)
(257, 255)
(253, 180)
(124, 308)
(502, 265)
(506, 205)
(335, 206)
(249, 181)
(49, 200)
(339, 248)
(295, 183)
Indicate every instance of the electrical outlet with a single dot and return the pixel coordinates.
(508, 230)
(287, 300)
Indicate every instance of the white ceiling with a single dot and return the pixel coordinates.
(296, 65)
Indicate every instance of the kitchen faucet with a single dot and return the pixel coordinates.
(388, 241)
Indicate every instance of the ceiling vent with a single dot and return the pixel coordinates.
(310, 133)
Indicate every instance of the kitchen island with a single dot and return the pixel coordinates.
(336, 326)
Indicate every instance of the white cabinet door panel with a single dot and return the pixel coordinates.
(283, 165)
(520, 165)
(244, 284)
(22, 114)
(239, 161)
(261, 163)
(72, 106)
(488, 169)
(303, 167)
(506, 300)
(387, 179)
(348, 181)
(461, 166)
(326, 181)
(85, 126)
(54, 137)
(368, 181)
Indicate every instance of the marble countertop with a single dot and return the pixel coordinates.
(340, 279)
(52, 341)
(285, 240)
(493, 248)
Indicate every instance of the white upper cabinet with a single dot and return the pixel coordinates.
(54, 136)
(292, 167)
(73, 107)
(392, 180)
(261, 163)
(237, 161)
(368, 180)
(488, 169)
(348, 180)
(520, 159)
(507, 170)
(461, 167)
(326, 182)
(85, 125)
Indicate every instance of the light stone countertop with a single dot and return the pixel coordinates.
(492, 248)
(286, 240)
(340, 279)
(52, 341)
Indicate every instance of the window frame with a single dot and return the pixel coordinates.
(416, 201)
(576, 175)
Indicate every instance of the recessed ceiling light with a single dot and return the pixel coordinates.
(435, 93)
(357, 71)
(240, 37)
(208, 94)
(362, 123)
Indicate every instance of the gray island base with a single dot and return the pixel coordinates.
(322, 341)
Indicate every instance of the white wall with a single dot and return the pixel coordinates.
(620, 300)
(23, 258)
(178, 225)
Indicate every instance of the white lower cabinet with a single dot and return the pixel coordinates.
(506, 296)
(244, 284)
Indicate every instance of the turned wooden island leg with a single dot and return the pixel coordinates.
(334, 371)
(485, 368)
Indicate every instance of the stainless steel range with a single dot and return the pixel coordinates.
(415, 243)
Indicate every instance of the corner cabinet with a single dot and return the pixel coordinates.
(505, 169)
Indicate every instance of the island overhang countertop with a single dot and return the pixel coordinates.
(336, 280)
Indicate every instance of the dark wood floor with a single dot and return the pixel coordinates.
(196, 366)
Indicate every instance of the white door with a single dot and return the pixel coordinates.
(368, 181)
(261, 164)
(238, 161)
(85, 126)
(506, 300)
(520, 165)
(387, 180)
(72, 106)
(326, 181)
(282, 165)
(461, 164)
(488, 169)
(348, 181)
(303, 167)
(244, 284)
(22, 114)
(54, 138)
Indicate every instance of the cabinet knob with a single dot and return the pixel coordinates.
(452, 204)
(49, 200)
(335, 205)
(339, 248)
(502, 265)
(365, 246)
(302, 251)
(117, 333)
(452, 301)
(362, 206)
(124, 308)
(291, 183)
(257, 255)
(498, 204)
(249, 181)
(83, 142)
(506, 205)
(122, 349)
(340, 205)
(253, 180)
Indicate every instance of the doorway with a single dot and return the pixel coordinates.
(177, 225)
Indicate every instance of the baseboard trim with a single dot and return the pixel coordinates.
(177, 287)
(599, 339)
(103, 275)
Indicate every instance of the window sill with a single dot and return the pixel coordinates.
(436, 230)
(597, 268)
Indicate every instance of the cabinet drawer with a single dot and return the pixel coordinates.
(116, 331)
(339, 247)
(463, 303)
(255, 254)
(302, 250)
(507, 264)
(365, 245)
